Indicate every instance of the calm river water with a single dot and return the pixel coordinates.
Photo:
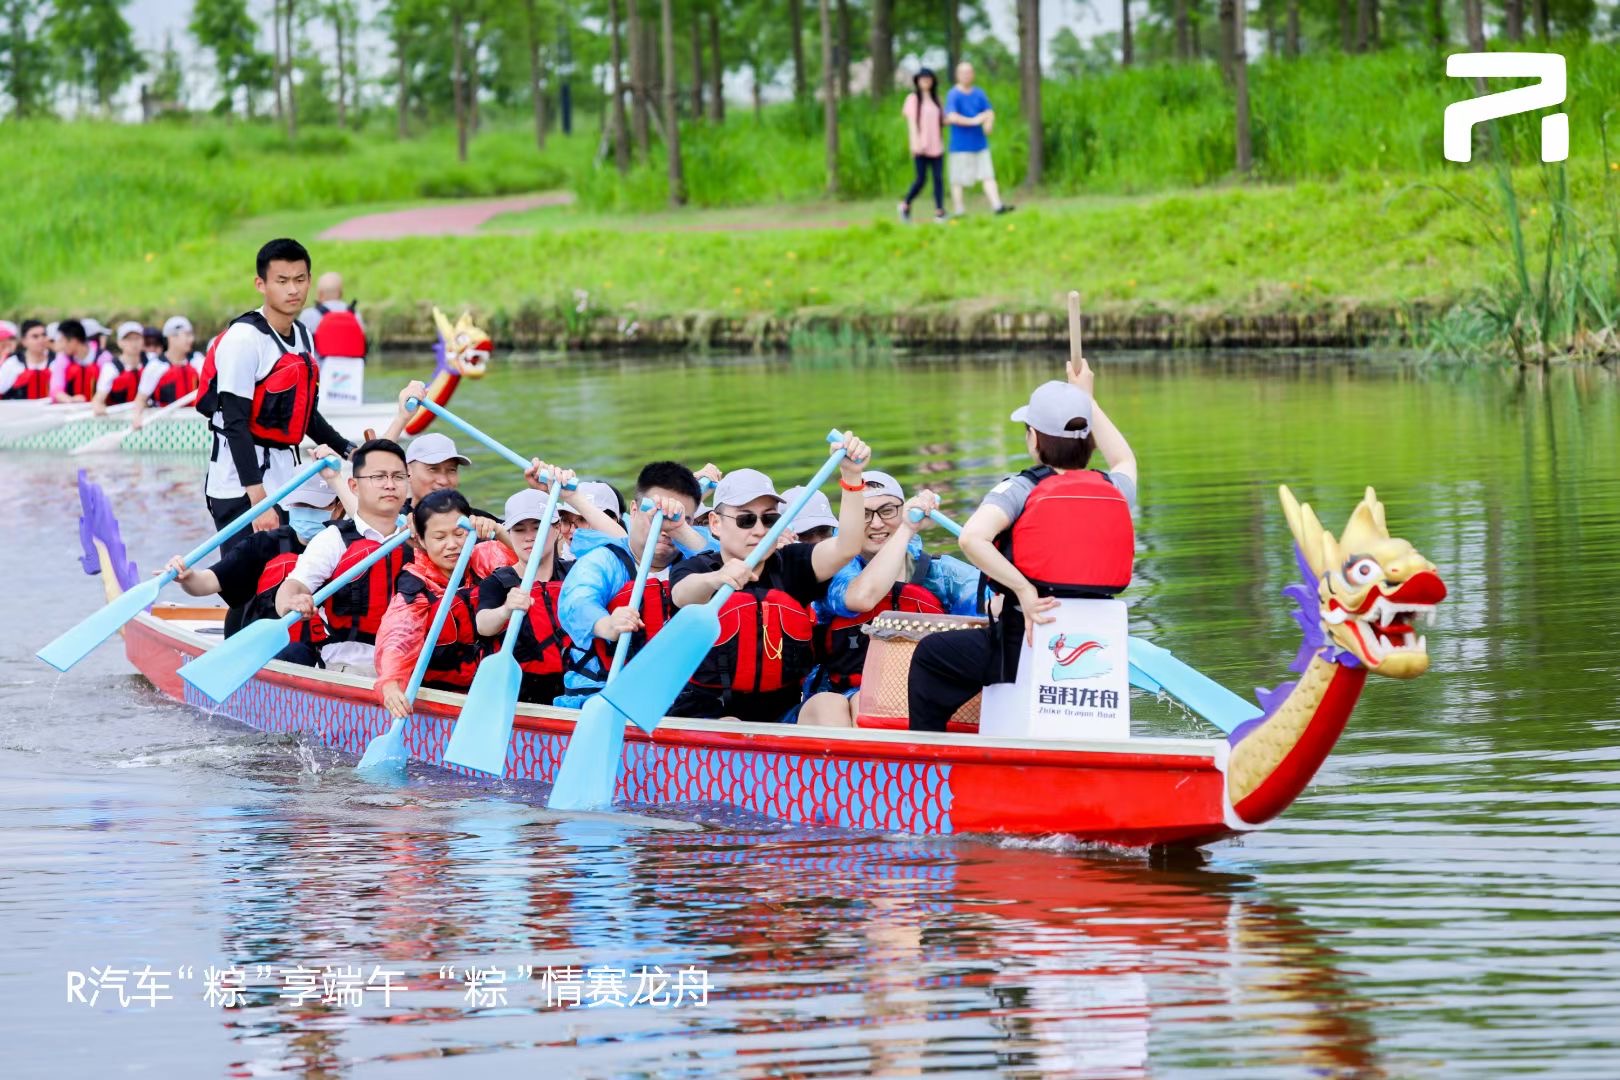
(1445, 900)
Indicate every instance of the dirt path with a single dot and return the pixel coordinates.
(447, 219)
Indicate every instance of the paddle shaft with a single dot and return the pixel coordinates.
(494, 444)
(442, 612)
(532, 570)
(325, 593)
(643, 568)
(765, 547)
(915, 516)
(1074, 329)
(246, 517)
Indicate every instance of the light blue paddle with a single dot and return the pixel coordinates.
(81, 640)
(222, 670)
(654, 679)
(385, 758)
(483, 731)
(488, 440)
(1156, 669)
(580, 780)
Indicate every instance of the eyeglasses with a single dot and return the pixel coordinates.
(572, 520)
(886, 512)
(386, 479)
(747, 519)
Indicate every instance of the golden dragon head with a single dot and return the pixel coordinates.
(1372, 588)
(465, 348)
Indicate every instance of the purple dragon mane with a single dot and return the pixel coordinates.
(98, 523)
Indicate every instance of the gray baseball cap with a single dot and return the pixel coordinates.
(816, 514)
(432, 448)
(1052, 407)
(742, 486)
(881, 483)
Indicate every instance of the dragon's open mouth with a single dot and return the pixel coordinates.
(1388, 628)
(472, 363)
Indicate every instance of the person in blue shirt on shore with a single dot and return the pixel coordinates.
(594, 606)
(892, 573)
(969, 116)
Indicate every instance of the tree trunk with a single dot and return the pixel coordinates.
(621, 137)
(342, 108)
(1438, 30)
(402, 90)
(536, 98)
(1184, 30)
(796, 30)
(882, 49)
(1268, 8)
(844, 36)
(456, 95)
(1226, 27)
(829, 95)
(672, 118)
(1029, 87)
(1347, 31)
(717, 71)
(953, 38)
(1474, 19)
(1540, 9)
(275, 63)
(1127, 46)
(759, 100)
(697, 65)
(638, 77)
(1292, 46)
(1240, 84)
(292, 97)
(1364, 30)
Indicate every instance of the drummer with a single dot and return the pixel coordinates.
(1063, 428)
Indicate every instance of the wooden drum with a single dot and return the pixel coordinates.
(887, 676)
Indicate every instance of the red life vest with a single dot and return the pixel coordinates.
(354, 612)
(456, 653)
(840, 645)
(180, 380)
(763, 646)
(31, 385)
(657, 608)
(263, 604)
(78, 379)
(339, 332)
(1074, 537)
(124, 384)
(284, 400)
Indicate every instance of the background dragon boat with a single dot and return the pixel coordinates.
(1358, 600)
(462, 350)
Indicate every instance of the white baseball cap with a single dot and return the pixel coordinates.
(881, 483)
(432, 448)
(527, 505)
(1052, 407)
(817, 513)
(53, 330)
(602, 496)
(742, 486)
(312, 492)
(92, 326)
(127, 328)
(177, 324)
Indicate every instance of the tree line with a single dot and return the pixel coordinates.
(646, 65)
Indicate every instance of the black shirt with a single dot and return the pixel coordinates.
(790, 569)
(239, 569)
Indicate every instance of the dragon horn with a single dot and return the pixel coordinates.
(1307, 530)
(446, 332)
(1366, 524)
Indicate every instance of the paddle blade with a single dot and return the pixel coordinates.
(81, 640)
(222, 670)
(650, 683)
(384, 760)
(590, 764)
(483, 731)
(101, 444)
(1200, 693)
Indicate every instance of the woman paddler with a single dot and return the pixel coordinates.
(543, 650)
(438, 540)
(1056, 530)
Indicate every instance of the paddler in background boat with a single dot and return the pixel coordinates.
(1059, 529)
(353, 614)
(594, 602)
(259, 391)
(248, 576)
(892, 573)
(402, 635)
(9, 338)
(815, 522)
(543, 649)
(118, 377)
(73, 372)
(26, 374)
(757, 670)
(173, 373)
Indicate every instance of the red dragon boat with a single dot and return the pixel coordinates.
(1360, 596)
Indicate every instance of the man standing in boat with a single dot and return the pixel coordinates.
(260, 388)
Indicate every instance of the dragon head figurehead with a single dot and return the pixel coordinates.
(462, 351)
(1371, 588)
(463, 348)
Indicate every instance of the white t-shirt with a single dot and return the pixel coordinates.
(108, 371)
(154, 369)
(316, 567)
(242, 358)
(10, 370)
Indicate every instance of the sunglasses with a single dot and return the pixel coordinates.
(747, 519)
